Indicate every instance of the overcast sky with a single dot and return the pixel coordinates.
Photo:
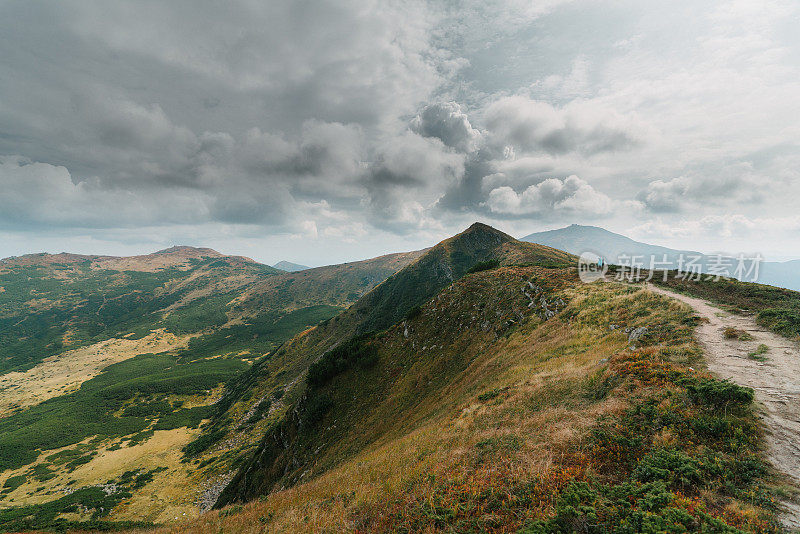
(323, 131)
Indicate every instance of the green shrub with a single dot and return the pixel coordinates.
(188, 417)
(718, 393)
(261, 410)
(483, 266)
(147, 410)
(413, 312)
(316, 407)
(492, 394)
(673, 467)
(145, 478)
(782, 320)
(14, 482)
(355, 352)
(625, 508)
(42, 473)
(43, 516)
(758, 354)
(202, 443)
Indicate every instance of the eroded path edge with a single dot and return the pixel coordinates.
(774, 375)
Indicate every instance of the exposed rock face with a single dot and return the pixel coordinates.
(637, 333)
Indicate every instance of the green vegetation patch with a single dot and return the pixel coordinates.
(14, 482)
(721, 394)
(483, 266)
(188, 417)
(784, 321)
(92, 500)
(355, 352)
(759, 353)
(147, 410)
(90, 411)
(261, 334)
(42, 473)
(202, 443)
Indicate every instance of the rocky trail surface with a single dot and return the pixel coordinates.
(774, 374)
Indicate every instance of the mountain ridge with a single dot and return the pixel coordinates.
(476, 385)
(512, 400)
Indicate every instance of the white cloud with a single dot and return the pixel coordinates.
(571, 195)
(38, 194)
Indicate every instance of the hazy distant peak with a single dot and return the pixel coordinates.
(284, 265)
(578, 239)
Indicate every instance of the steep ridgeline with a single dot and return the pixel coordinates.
(442, 265)
(280, 382)
(109, 365)
(252, 404)
(511, 399)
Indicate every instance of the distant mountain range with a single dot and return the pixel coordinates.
(290, 267)
(578, 239)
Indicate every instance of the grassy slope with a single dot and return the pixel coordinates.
(237, 310)
(56, 303)
(275, 383)
(446, 262)
(469, 422)
(47, 307)
(776, 308)
(479, 413)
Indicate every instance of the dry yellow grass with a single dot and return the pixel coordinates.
(169, 497)
(65, 372)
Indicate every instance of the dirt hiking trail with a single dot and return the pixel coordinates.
(776, 382)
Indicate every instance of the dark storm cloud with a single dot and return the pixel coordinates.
(247, 119)
(407, 174)
(266, 104)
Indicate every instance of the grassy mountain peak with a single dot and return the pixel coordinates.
(480, 244)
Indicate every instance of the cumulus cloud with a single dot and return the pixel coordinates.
(41, 195)
(728, 183)
(407, 175)
(580, 126)
(449, 124)
(571, 195)
(665, 196)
